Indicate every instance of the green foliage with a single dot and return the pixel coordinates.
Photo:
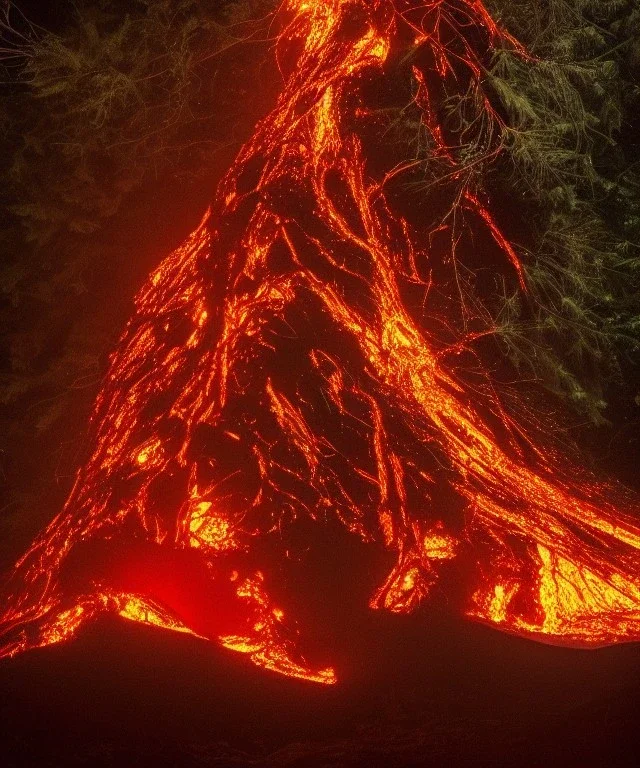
(122, 95)
(562, 143)
(570, 154)
(563, 146)
(112, 98)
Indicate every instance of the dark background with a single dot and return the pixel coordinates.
(413, 691)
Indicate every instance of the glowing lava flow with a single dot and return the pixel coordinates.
(279, 367)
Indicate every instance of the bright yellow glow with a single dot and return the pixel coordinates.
(210, 529)
(439, 545)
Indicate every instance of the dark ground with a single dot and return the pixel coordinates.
(414, 692)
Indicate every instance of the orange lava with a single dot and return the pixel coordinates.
(286, 331)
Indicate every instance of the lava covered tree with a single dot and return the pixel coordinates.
(308, 354)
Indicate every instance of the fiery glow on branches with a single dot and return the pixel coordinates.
(279, 367)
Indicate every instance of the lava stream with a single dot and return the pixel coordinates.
(278, 368)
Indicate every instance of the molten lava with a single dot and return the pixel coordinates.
(286, 363)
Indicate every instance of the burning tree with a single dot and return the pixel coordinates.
(297, 359)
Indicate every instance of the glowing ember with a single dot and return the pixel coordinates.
(279, 366)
